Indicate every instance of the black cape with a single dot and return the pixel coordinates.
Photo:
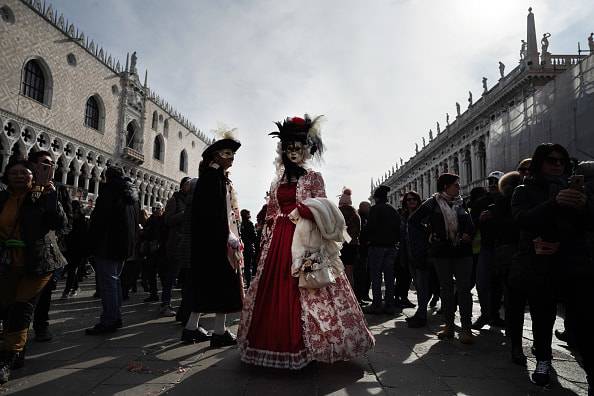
(216, 284)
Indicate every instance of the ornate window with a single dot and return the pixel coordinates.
(7, 15)
(158, 148)
(92, 113)
(183, 161)
(34, 81)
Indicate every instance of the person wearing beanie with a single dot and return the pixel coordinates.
(384, 234)
(348, 254)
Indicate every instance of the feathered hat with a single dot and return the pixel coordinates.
(226, 140)
(304, 130)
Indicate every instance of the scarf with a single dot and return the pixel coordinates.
(450, 214)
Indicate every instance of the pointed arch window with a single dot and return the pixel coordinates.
(183, 161)
(130, 132)
(166, 128)
(92, 113)
(158, 148)
(34, 81)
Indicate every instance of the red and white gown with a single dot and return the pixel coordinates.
(285, 326)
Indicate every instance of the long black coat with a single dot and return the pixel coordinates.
(114, 221)
(217, 286)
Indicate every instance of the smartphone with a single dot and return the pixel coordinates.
(44, 174)
(576, 182)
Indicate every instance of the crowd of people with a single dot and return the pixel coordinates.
(302, 274)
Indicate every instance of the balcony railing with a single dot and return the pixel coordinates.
(133, 155)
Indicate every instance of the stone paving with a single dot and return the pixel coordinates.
(146, 358)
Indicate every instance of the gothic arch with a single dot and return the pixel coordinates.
(37, 87)
(183, 161)
(94, 103)
(159, 148)
(132, 134)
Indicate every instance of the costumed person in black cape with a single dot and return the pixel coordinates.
(216, 250)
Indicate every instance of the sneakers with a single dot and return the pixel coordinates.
(222, 340)
(167, 312)
(481, 322)
(446, 332)
(100, 329)
(466, 337)
(151, 298)
(43, 335)
(192, 336)
(415, 322)
(73, 293)
(542, 373)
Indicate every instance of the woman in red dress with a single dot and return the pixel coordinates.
(283, 325)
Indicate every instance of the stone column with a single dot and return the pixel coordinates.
(97, 181)
(75, 179)
(86, 182)
(64, 176)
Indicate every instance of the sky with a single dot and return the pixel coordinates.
(382, 72)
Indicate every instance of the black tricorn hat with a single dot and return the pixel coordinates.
(221, 144)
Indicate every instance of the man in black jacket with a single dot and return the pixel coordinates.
(383, 233)
(112, 234)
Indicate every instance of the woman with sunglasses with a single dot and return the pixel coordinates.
(28, 255)
(553, 254)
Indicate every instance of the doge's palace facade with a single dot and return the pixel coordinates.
(545, 98)
(61, 92)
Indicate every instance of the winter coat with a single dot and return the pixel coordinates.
(113, 225)
(174, 218)
(383, 225)
(217, 286)
(39, 220)
(184, 245)
(440, 246)
(154, 236)
(537, 214)
(414, 244)
(249, 239)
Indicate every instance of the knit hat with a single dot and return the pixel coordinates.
(345, 198)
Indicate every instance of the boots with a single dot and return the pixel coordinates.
(6, 361)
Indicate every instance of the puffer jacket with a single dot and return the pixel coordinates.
(39, 220)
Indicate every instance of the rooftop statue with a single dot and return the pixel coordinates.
(133, 63)
(485, 89)
(501, 69)
(469, 98)
(430, 135)
(447, 118)
(544, 42)
(523, 50)
(458, 109)
(591, 42)
(438, 128)
(401, 162)
(416, 148)
(423, 141)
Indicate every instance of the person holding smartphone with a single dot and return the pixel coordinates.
(553, 256)
(28, 255)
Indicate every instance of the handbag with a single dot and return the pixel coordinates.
(314, 274)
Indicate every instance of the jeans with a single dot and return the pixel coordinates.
(381, 263)
(108, 276)
(460, 268)
(422, 281)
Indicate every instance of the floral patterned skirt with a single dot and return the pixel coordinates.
(283, 326)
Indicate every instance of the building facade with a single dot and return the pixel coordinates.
(545, 98)
(61, 92)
